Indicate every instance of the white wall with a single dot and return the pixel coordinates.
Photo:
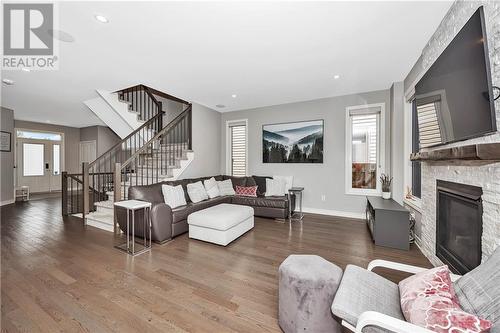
(206, 143)
(318, 179)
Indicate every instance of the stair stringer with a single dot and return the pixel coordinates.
(108, 116)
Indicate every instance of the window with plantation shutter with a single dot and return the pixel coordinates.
(428, 125)
(364, 128)
(238, 149)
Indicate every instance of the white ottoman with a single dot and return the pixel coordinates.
(220, 224)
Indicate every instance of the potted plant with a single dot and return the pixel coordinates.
(386, 186)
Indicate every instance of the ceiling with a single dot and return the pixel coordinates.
(266, 53)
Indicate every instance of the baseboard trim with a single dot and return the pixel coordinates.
(7, 202)
(331, 212)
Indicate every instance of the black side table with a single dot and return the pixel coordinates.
(298, 191)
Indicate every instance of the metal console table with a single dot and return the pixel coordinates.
(132, 206)
(298, 191)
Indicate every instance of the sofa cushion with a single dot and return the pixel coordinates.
(250, 182)
(270, 202)
(209, 203)
(361, 290)
(478, 290)
(181, 213)
(237, 181)
(261, 184)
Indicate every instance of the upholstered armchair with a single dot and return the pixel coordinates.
(367, 302)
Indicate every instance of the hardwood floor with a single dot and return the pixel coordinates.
(58, 276)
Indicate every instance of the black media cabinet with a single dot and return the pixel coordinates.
(388, 222)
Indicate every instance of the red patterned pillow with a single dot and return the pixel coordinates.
(249, 191)
(428, 300)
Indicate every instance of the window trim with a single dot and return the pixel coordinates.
(414, 202)
(348, 150)
(228, 143)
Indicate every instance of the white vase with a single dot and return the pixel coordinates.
(386, 195)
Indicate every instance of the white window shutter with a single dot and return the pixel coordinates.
(428, 125)
(238, 150)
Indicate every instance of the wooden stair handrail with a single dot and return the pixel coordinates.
(158, 135)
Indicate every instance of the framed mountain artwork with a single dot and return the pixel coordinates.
(297, 142)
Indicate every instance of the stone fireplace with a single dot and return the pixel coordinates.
(459, 225)
(484, 176)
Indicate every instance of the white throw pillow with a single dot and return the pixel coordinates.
(275, 187)
(288, 182)
(226, 187)
(211, 188)
(173, 195)
(196, 192)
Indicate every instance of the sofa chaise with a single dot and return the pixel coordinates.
(167, 222)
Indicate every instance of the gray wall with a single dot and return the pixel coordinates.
(206, 143)
(71, 141)
(397, 141)
(7, 158)
(318, 179)
(104, 137)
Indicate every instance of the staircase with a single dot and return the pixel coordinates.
(150, 153)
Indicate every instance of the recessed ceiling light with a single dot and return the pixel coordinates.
(101, 18)
(26, 69)
(234, 96)
(63, 36)
(8, 82)
(220, 106)
(336, 76)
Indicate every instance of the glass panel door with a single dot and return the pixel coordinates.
(39, 164)
(32, 163)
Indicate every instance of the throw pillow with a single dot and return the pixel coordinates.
(246, 191)
(288, 182)
(428, 300)
(211, 188)
(225, 187)
(197, 192)
(275, 187)
(173, 195)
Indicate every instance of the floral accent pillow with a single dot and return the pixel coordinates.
(249, 191)
(428, 300)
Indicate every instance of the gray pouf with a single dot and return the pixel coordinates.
(307, 286)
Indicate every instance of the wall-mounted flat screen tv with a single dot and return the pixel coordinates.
(454, 98)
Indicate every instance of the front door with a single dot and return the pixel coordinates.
(39, 164)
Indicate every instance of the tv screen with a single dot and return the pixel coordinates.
(454, 98)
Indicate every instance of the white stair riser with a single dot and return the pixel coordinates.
(104, 225)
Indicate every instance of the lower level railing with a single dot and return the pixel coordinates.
(73, 191)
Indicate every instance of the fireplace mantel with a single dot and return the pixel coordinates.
(482, 153)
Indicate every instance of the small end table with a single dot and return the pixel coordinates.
(131, 206)
(298, 191)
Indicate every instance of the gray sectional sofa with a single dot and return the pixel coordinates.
(168, 223)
